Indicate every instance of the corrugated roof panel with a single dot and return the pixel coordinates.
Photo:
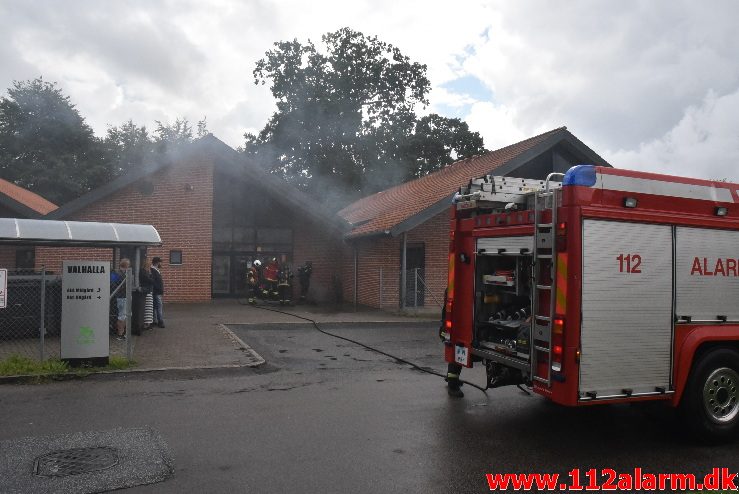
(76, 233)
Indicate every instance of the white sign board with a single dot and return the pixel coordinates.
(3, 288)
(707, 271)
(85, 309)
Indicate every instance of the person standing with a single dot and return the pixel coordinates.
(147, 288)
(158, 284)
(118, 280)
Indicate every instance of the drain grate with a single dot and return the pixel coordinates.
(75, 461)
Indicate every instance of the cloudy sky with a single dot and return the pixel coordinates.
(650, 85)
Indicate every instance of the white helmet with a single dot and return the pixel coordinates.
(257, 263)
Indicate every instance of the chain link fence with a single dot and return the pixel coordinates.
(31, 322)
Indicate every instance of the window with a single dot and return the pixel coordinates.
(25, 258)
(175, 257)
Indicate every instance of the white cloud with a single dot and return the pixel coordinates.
(704, 143)
(623, 77)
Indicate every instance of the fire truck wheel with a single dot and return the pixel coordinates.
(710, 404)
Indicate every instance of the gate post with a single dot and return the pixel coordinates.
(415, 289)
(42, 319)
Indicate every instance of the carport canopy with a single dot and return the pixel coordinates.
(76, 233)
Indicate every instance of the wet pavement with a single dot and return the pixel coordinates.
(197, 335)
(324, 415)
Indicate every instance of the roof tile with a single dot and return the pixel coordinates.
(26, 197)
(382, 211)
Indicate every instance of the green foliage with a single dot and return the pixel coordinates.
(45, 144)
(345, 118)
(127, 147)
(116, 362)
(439, 141)
(15, 365)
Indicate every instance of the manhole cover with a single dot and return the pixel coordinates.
(75, 461)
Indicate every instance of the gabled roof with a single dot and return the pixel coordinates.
(226, 159)
(23, 201)
(405, 206)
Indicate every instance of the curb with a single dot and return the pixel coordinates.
(336, 324)
(256, 359)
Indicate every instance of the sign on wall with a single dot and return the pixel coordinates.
(85, 309)
(3, 288)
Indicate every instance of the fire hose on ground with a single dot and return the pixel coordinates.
(367, 347)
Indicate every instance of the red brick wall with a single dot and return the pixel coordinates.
(311, 242)
(435, 236)
(51, 257)
(375, 253)
(180, 208)
(385, 252)
(347, 272)
(7, 256)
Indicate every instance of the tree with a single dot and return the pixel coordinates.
(45, 144)
(171, 135)
(439, 141)
(344, 113)
(127, 147)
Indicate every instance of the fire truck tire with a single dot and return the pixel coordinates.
(710, 403)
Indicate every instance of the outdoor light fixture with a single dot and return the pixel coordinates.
(722, 211)
(630, 202)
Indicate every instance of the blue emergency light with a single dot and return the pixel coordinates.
(580, 175)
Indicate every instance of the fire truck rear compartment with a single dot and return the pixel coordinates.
(503, 309)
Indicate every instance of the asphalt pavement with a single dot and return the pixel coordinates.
(325, 415)
(196, 335)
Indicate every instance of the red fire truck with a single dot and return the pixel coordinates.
(606, 286)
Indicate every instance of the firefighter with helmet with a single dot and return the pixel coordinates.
(284, 284)
(252, 281)
(271, 278)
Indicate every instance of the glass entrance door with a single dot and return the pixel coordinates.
(221, 274)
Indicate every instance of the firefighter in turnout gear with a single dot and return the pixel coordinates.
(252, 281)
(284, 287)
(270, 278)
(453, 369)
(304, 273)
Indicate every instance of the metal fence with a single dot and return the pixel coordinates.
(31, 322)
(417, 293)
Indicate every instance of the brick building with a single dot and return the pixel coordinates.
(216, 213)
(402, 233)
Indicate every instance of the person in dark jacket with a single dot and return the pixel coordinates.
(158, 285)
(147, 288)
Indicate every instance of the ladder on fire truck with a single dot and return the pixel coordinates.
(540, 338)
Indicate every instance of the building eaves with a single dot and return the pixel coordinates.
(24, 202)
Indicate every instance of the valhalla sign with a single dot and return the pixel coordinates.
(85, 312)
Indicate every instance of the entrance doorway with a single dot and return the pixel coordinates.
(229, 270)
(415, 262)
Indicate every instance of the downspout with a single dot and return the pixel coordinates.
(403, 267)
(356, 281)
